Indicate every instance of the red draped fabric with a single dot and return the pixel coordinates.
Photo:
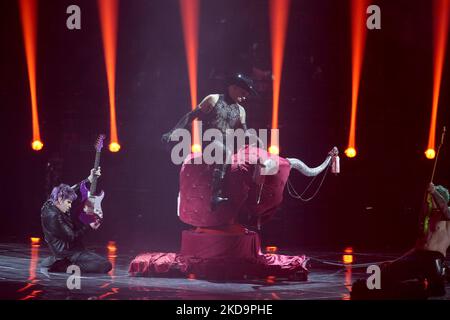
(222, 257)
(218, 248)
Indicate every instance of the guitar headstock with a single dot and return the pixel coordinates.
(99, 143)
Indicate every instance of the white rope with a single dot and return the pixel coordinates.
(360, 265)
(293, 193)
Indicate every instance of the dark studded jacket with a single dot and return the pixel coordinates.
(63, 232)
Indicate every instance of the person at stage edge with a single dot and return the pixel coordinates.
(421, 271)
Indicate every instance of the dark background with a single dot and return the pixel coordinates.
(373, 204)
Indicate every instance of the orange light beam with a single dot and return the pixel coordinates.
(279, 15)
(33, 261)
(28, 17)
(108, 10)
(112, 255)
(190, 12)
(348, 280)
(359, 31)
(441, 9)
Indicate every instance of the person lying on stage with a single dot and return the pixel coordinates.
(425, 262)
(64, 232)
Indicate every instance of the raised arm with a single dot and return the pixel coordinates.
(77, 186)
(81, 188)
(243, 115)
(204, 107)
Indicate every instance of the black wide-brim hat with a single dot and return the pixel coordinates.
(243, 82)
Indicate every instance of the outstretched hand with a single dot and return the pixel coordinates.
(95, 225)
(94, 173)
(165, 138)
(334, 152)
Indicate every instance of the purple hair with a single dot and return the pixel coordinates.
(63, 191)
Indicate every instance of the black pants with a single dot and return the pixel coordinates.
(419, 265)
(220, 169)
(418, 275)
(87, 261)
(91, 262)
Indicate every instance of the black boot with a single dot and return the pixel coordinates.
(217, 187)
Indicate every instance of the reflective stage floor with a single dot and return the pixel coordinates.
(330, 278)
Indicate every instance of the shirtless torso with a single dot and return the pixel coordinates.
(438, 237)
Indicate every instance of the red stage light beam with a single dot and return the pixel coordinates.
(441, 9)
(279, 16)
(359, 32)
(28, 17)
(112, 255)
(108, 10)
(190, 12)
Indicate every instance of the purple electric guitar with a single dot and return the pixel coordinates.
(92, 208)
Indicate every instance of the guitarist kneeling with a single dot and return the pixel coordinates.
(63, 232)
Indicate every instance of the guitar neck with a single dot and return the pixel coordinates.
(93, 187)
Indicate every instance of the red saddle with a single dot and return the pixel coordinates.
(241, 188)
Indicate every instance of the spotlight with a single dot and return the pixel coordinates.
(271, 279)
(191, 276)
(274, 150)
(430, 154)
(37, 145)
(271, 249)
(35, 240)
(348, 250)
(350, 152)
(114, 147)
(196, 148)
(112, 246)
(347, 258)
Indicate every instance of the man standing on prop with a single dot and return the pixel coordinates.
(222, 112)
(63, 232)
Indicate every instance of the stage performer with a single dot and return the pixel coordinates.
(222, 112)
(425, 263)
(64, 231)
